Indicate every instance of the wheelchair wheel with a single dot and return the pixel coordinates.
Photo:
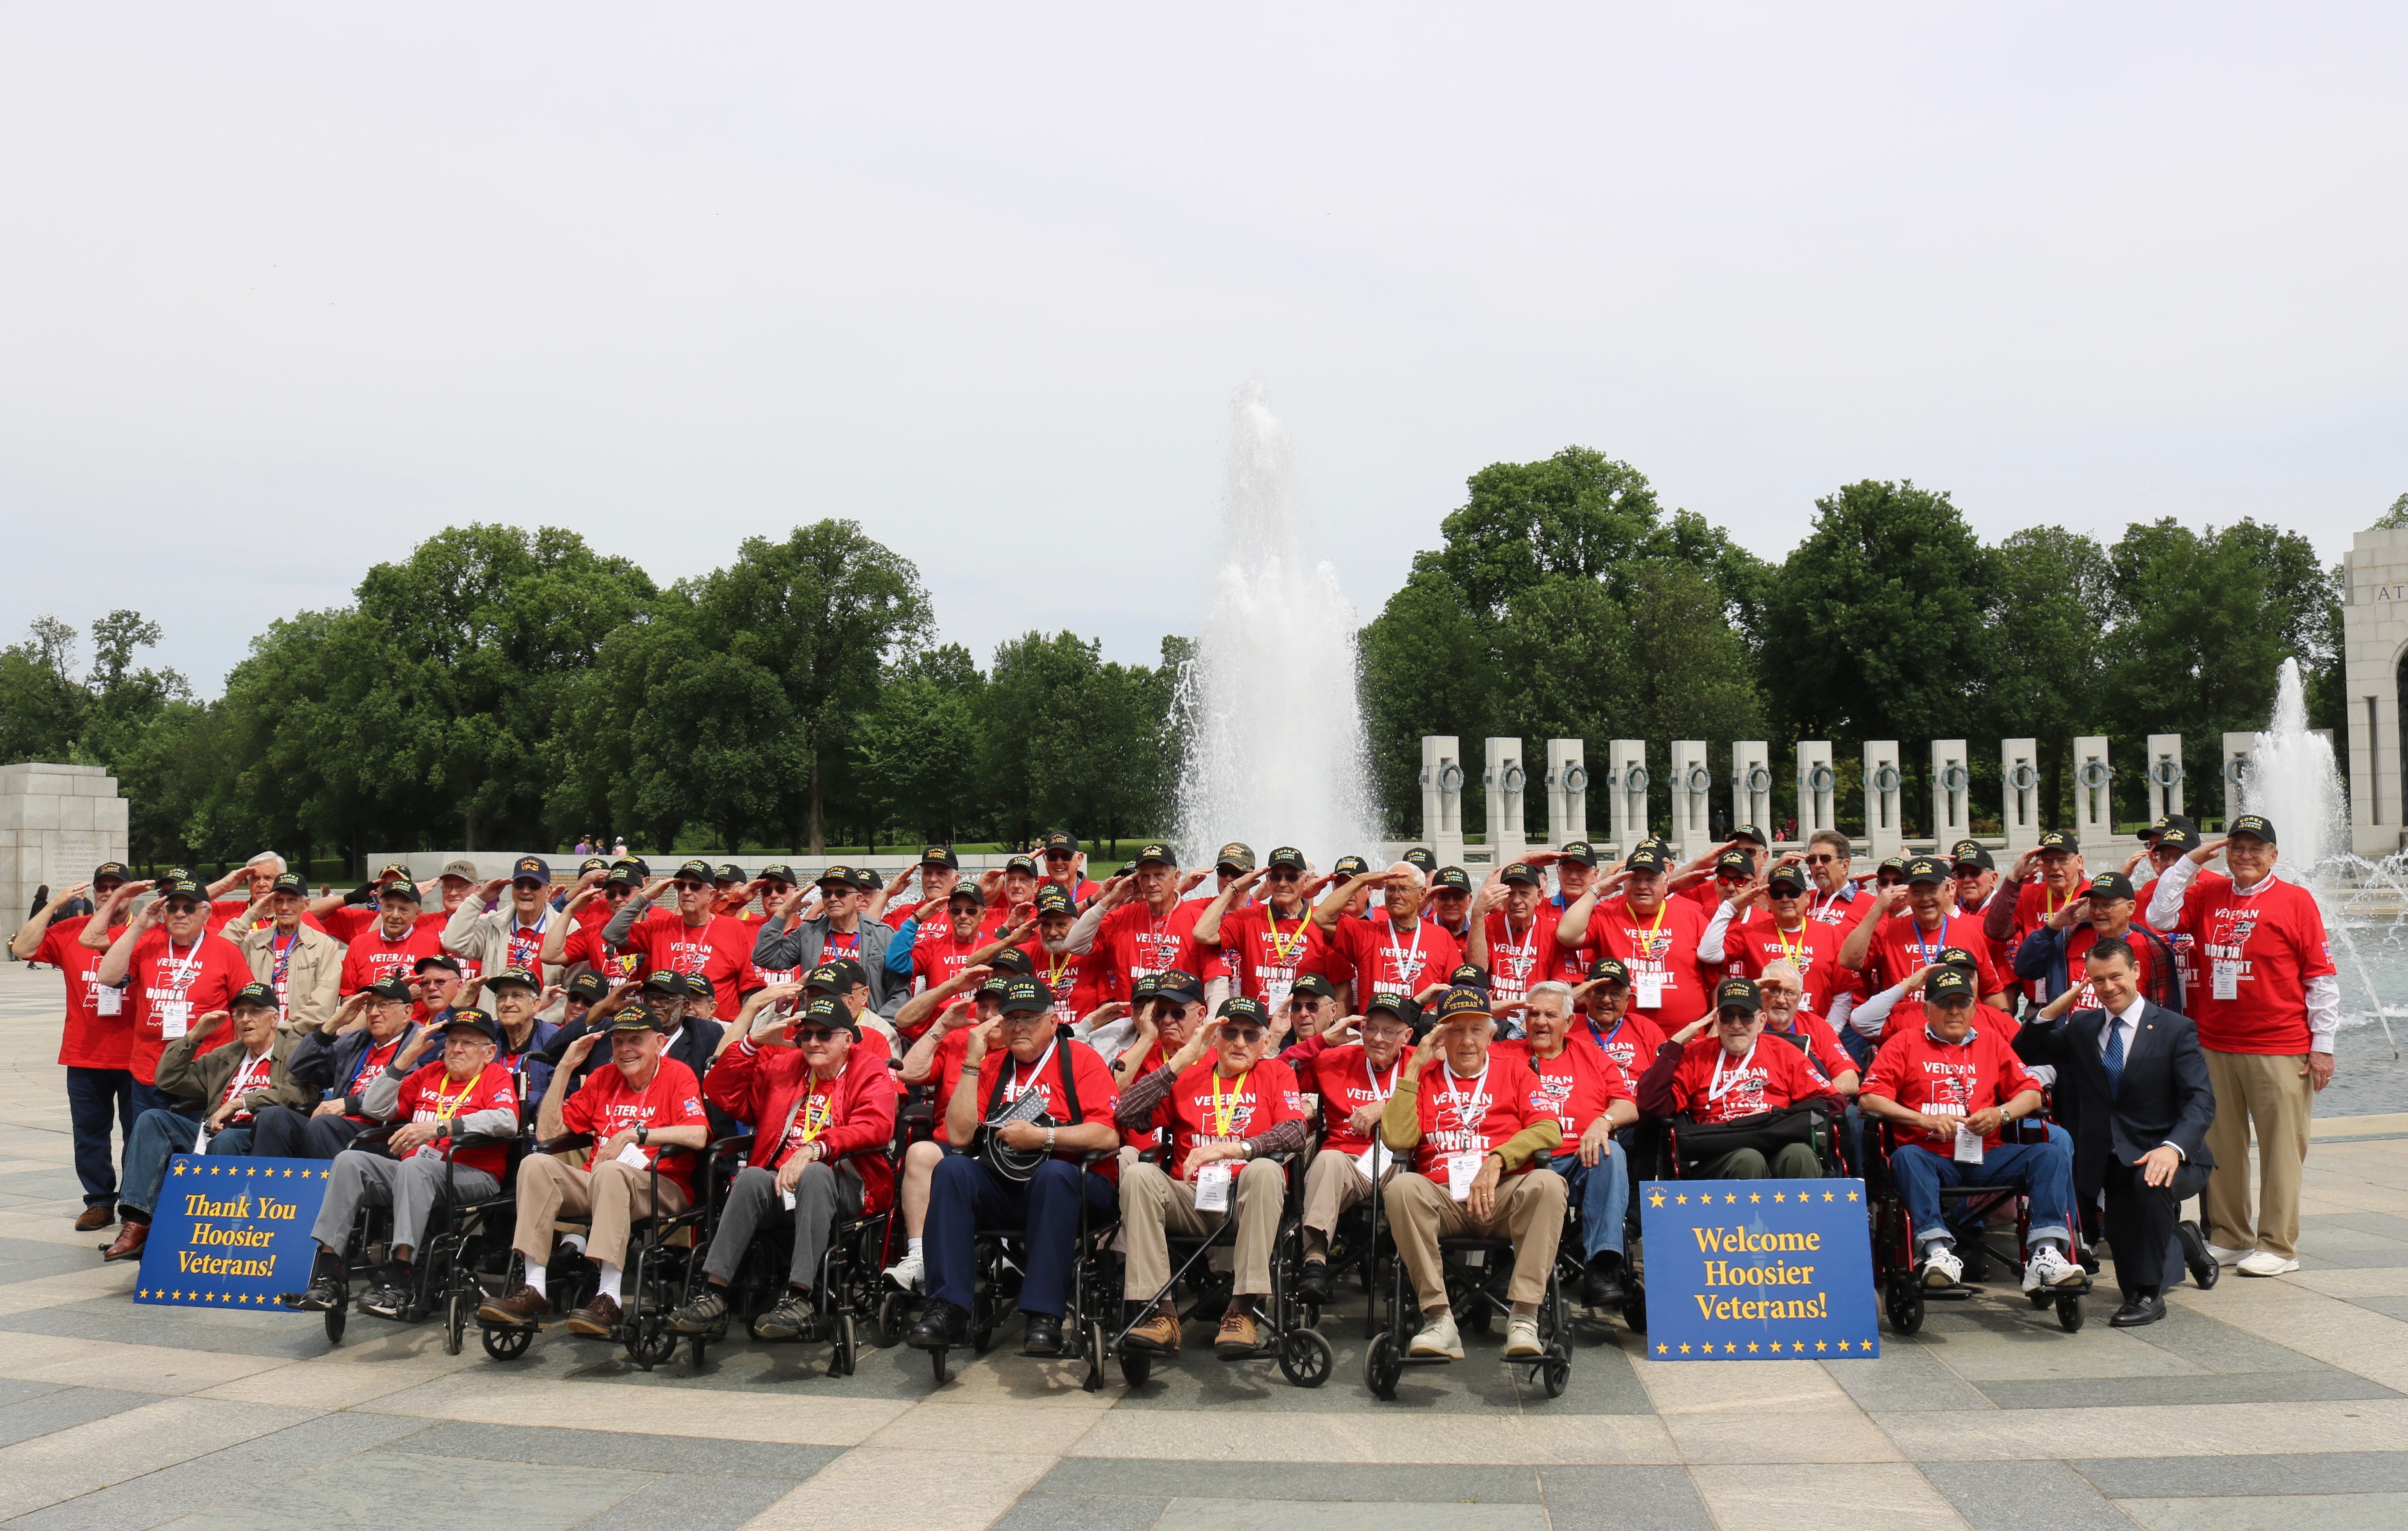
(1905, 1305)
(650, 1340)
(886, 1319)
(2041, 1297)
(508, 1344)
(1305, 1358)
(2204, 1271)
(2069, 1312)
(848, 1346)
(1136, 1366)
(455, 1322)
(1382, 1366)
(1555, 1373)
(337, 1316)
(1634, 1304)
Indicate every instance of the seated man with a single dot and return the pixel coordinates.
(1237, 1106)
(517, 1004)
(1354, 1081)
(1952, 1087)
(232, 1083)
(640, 1105)
(936, 1061)
(823, 1111)
(1478, 1144)
(1591, 1100)
(1076, 1120)
(339, 1060)
(464, 1094)
(1729, 1075)
(1783, 989)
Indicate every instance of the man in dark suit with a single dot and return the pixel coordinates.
(2133, 1088)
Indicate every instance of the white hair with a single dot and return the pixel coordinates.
(1781, 967)
(1553, 990)
(267, 856)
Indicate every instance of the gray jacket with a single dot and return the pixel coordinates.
(776, 949)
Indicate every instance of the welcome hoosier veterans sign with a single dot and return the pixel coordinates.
(232, 1232)
(1741, 1270)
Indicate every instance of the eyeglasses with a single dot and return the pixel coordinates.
(1244, 1036)
(182, 906)
(1282, 876)
(814, 1036)
(1824, 860)
(690, 885)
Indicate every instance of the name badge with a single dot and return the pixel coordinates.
(1651, 990)
(2224, 980)
(1461, 1170)
(634, 1157)
(1275, 992)
(1212, 1187)
(175, 1017)
(1968, 1145)
(108, 1001)
(1374, 1161)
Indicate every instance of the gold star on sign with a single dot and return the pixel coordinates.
(1750, 1347)
(1656, 1199)
(1754, 1196)
(1820, 1345)
(1667, 1350)
(1778, 1197)
(1776, 1346)
(1685, 1349)
(1731, 1196)
(1852, 1195)
(1843, 1344)
(1683, 1198)
(1827, 1195)
(179, 1166)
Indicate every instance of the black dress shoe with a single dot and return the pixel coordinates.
(1312, 1284)
(941, 1327)
(2138, 1312)
(1044, 1336)
(1601, 1282)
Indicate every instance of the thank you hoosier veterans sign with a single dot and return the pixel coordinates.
(232, 1232)
(1757, 1270)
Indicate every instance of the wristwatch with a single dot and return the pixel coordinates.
(643, 1134)
(1049, 1139)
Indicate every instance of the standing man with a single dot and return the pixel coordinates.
(941, 873)
(1839, 900)
(2044, 880)
(96, 1044)
(303, 964)
(1397, 952)
(839, 930)
(1885, 949)
(689, 939)
(573, 943)
(393, 944)
(1140, 924)
(178, 970)
(1749, 946)
(1264, 944)
(2267, 1012)
(511, 937)
(1656, 937)
(1522, 938)
(1066, 865)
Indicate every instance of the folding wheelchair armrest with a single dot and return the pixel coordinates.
(565, 1142)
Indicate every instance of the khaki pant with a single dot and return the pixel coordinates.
(1152, 1205)
(2269, 1090)
(1529, 1211)
(1333, 1182)
(607, 1201)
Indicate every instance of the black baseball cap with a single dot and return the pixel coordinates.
(403, 889)
(2253, 824)
(778, 871)
(1462, 1000)
(830, 1011)
(1924, 870)
(697, 986)
(1012, 959)
(1968, 854)
(727, 871)
(184, 887)
(1735, 861)
(1175, 983)
(696, 867)
(1949, 984)
(1749, 832)
(837, 974)
(1610, 970)
(396, 989)
(437, 959)
(1956, 956)
(1964, 848)
(636, 1017)
(2177, 836)
(940, 855)
(839, 874)
(1468, 975)
(1789, 874)
(1892, 863)
(1578, 851)
(1399, 1006)
(1242, 1007)
(531, 868)
(1237, 856)
(993, 986)
(2060, 840)
(1451, 879)
(519, 976)
(1421, 859)
(2111, 885)
(1053, 898)
(263, 994)
(1519, 871)
(589, 986)
(868, 879)
(1286, 857)
(1313, 986)
(1061, 841)
(289, 882)
(477, 1021)
(593, 864)
(1140, 991)
(632, 873)
(967, 891)
(1025, 996)
(1347, 866)
(1155, 850)
(1647, 856)
(1738, 994)
(112, 869)
(1024, 863)
(666, 980)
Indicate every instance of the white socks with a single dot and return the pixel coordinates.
(609, 1287)
(914, 1246)
(535, 1274)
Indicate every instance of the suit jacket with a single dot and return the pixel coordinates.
(2166, 1096)
(321, 1062)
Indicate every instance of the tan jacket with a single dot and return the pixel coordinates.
(313, 977)
(205, 1077)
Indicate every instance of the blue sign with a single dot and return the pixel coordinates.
(232, 1232)
(1758, 1270)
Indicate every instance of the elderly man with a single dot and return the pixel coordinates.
(1265, 945)
(822, 1112)
(642, 1104)
(462, 1095)
(338, 1061)
(691, 937)
(1885, 947)
(1140, 923)
(939, 872)
(1478, 1148)
(1222, 1119)
(1783, 989)
(936, 1060)
(302, 963)
(1730, 1074)
(573, 943)
(1592, 1100)
(1656, 937)
(1520, 937)
(524, 1036)
(2266, 1007)
(2106, 911)
(1077, 1098)
(1748, 947)
(2043, 880)
(230, 1083)
(1355, 1080)
(174, 969)
(838, 931)
(511, 937)
(393, 944)
(1838, 899)
(96, 1042)
(1952, 1087)
(1395, 950)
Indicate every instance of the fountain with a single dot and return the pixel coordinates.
(1275, 747)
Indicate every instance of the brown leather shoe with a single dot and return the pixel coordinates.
(129, 1242)
(525, 1305)
(596, 1318)
(1238, 1337)
(95, 1218)
(1158, 1334)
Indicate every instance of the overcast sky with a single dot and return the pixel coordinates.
(284, 288)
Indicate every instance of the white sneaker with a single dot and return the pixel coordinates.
(1438, 1338)
(2223, 1257)
(2049, 1267)
(1940, 1266)
(1522, 1339)
(2266, 1263)
(905, 1274)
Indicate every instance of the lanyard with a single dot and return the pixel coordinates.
(1719, 1085)
(1013, 1089)
(445, 1107)
(1605, 1039)
(1805, 945)
(240, 1085)
(1224, 1109)
(1467, 1114)
(819, 1110)
(1651, 944)
(186, 968)
(1527, 951)
(1383, 1090)
(1408, 972)
(1284, 950)
(1055, 971)
(1928, 951)
(368, 1055)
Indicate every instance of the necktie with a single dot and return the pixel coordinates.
(2114, 1059)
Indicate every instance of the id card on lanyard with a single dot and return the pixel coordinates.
(175, 1014)
(1463, 1167)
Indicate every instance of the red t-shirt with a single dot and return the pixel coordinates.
(1473, 1115)
(1264, 953)
(428, 1095)
(1517, 960)
(1629, 1044)
(372, 959)
(936, 956)
(1574, 1086)
(2078, 942)
(1346, 1081)
(1383, 961)
(1097, 1095)
(347, 922)
(99, 1031)
(1136, 941)
(2272, 941)
(1840, 914)
(1659, 950)
(250, 1075)
(604, 1104)
(1900, 946)
(1925, 1076)
(718, 948)
(585, 944)
(1203, 1107)
(1078, 983)
(947, 1072)
(1813, 948)
(169, 993)
(1711, 1087)
(1823, 1051)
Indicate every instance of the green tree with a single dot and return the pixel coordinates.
(42, 705)
(917, 747)
(2052, 603)
(1578, 514)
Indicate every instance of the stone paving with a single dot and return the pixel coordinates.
(2260, 1404)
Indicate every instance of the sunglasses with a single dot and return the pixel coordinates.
(182, 906)
(813, 1036)
(1824, 860)
(1060, 855)
(1244, 1036)
(687, 884)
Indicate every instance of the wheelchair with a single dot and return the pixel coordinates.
(996, 1270)
(462, 1253)
(1968, 1209)
(663, 1255)
(1646, 1146)
(1289, 1332)
(1475, 1279)
(844, 1293)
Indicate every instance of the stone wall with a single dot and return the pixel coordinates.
(57, 823)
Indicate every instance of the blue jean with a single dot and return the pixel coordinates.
(2044, 1172)
(98, 1099)
(963, 1198)
(159, 1136)
(1603, 1197)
